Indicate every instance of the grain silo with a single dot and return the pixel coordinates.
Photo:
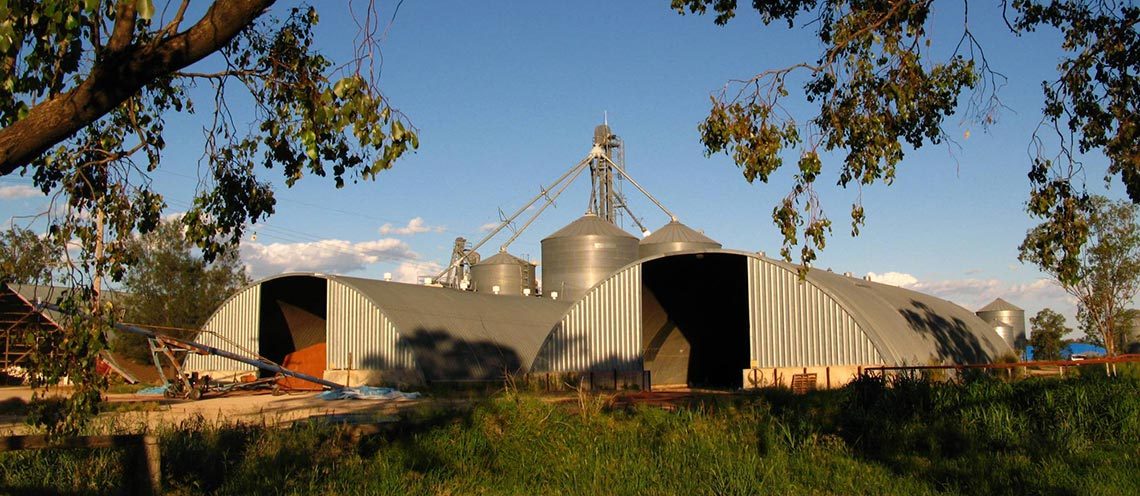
(1007, 319)
(583, 253)
(674, 237)
(503, 274)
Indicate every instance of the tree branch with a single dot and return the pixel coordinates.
(122, 73)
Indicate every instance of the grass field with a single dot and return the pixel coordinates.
(904, 436)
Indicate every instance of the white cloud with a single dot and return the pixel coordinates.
(975, 293)
(415, 226)
(328, 255)
(414, 272)
(12, 192)
(488, 227)
(899, 279)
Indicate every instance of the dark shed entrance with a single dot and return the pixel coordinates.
(695, 319)
(293, 314)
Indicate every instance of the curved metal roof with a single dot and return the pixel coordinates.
(676, 232)
(590, 225)
(909, 327)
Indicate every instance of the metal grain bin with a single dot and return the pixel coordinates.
(582, 254)
(673, 237)
(511, 274)
(1007, 319)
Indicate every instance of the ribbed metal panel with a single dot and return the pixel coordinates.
(600, 332)
(796, 324)
(237, 320)
(358, 328)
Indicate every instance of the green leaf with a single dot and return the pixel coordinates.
(145, 8)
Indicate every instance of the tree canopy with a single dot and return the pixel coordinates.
(172, 287)
(26, 258)
(1047, 330)
(89, 86)
(1106, 270)
(879, 91)
(86, 90)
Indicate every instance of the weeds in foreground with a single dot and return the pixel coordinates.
(906, 435)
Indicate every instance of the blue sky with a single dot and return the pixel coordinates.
(505, 96)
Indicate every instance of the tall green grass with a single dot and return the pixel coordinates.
(906, 435)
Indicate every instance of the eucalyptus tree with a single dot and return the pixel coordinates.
(1106, 270)
(88, 87)
(877, 89)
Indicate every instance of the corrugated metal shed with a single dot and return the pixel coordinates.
(912, 328)
(444, 334)
(360, 335)
(825, 319)
(460, 335)
(233, 327)
(600, 332)
(796, 323)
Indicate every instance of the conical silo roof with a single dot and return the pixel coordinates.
(1000, 305)
(674, 237)
(676, 232)
(589, 225)
(503, 258)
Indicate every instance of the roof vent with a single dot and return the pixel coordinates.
(387, 276)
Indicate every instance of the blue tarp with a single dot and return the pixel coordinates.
(1071, 349)
(367, 393)
(153, 390)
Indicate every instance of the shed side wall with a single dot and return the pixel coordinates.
(793, 323)
(601, 332)
(358, 328)
(237, 321)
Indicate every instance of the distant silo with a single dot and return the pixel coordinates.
(512, 275)
(674, 237)
(583, 253)
(1007, 319)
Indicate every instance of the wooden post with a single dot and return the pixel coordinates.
(146, 476)
(151, 478)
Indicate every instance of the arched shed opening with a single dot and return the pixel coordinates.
(695, 319)
(293, 315)
(293, 328)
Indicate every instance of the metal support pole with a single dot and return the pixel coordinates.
(641, 189)
(512, 217)
(549, 201)
(210, 350)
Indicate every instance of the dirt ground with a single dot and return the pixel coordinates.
(131, 412)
